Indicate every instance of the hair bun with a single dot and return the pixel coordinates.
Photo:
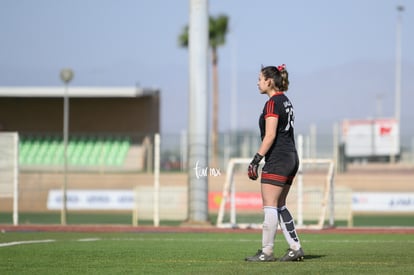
(281, 68)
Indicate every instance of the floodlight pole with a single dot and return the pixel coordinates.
(197, 115)
(398, 54)
(398, 65)
(66, 75)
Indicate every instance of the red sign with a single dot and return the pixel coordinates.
(244, 201)
(385, 130)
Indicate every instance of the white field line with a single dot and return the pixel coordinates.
(25, 242)
(44, 241)
(89, 240)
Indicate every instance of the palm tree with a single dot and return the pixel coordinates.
(218, 27)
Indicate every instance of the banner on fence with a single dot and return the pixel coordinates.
(124, 200)
(92, 199)
(173, 201)
(383, 202)
(243, 200)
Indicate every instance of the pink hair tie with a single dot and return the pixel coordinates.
(281, 67)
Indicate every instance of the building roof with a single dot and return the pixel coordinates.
(76, 91)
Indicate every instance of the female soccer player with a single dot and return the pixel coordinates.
(281, 164)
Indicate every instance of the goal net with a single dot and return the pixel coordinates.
(9, 169)
(313, 205)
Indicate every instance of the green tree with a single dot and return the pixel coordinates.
(218, 28)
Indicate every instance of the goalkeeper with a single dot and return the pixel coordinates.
(281, 164)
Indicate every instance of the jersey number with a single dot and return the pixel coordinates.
(291, 118)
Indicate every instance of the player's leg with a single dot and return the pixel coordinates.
(295, 251)
(286, 221)
(287, 224)
(270, 195)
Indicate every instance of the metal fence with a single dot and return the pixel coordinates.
(245, 144)
(134, 152)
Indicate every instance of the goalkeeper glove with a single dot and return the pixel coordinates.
(254, 166)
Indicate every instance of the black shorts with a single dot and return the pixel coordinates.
(280, 168)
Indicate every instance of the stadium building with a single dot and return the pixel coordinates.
(109, 128)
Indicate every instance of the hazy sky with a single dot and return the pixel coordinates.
(340, 54)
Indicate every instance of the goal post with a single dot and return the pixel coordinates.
(327, 204)
(9, 169)
(314, 203)
(314, 206)
(229, 192)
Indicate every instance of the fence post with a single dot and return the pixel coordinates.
(300, 181)
(157, 143)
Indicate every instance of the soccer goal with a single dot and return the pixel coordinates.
(313, 205)
(9, 169)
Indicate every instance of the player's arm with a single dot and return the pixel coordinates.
(270, 136)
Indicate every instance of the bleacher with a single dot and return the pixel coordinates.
(82, 151)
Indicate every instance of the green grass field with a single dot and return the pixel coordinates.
(126, 218)
(199, 253)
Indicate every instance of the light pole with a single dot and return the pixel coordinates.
(66, 75)
(198, 119)
(379, 106)
(398, 65)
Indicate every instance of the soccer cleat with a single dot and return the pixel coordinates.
(261, 257)
(293, 255)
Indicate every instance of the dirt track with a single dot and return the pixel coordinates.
(188, 229)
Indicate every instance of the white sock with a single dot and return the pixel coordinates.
(288, 228)
(269, 229)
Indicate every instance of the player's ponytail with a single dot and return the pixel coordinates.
(279, 75)
(284, 83)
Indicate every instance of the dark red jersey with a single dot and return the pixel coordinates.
(279, 106)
